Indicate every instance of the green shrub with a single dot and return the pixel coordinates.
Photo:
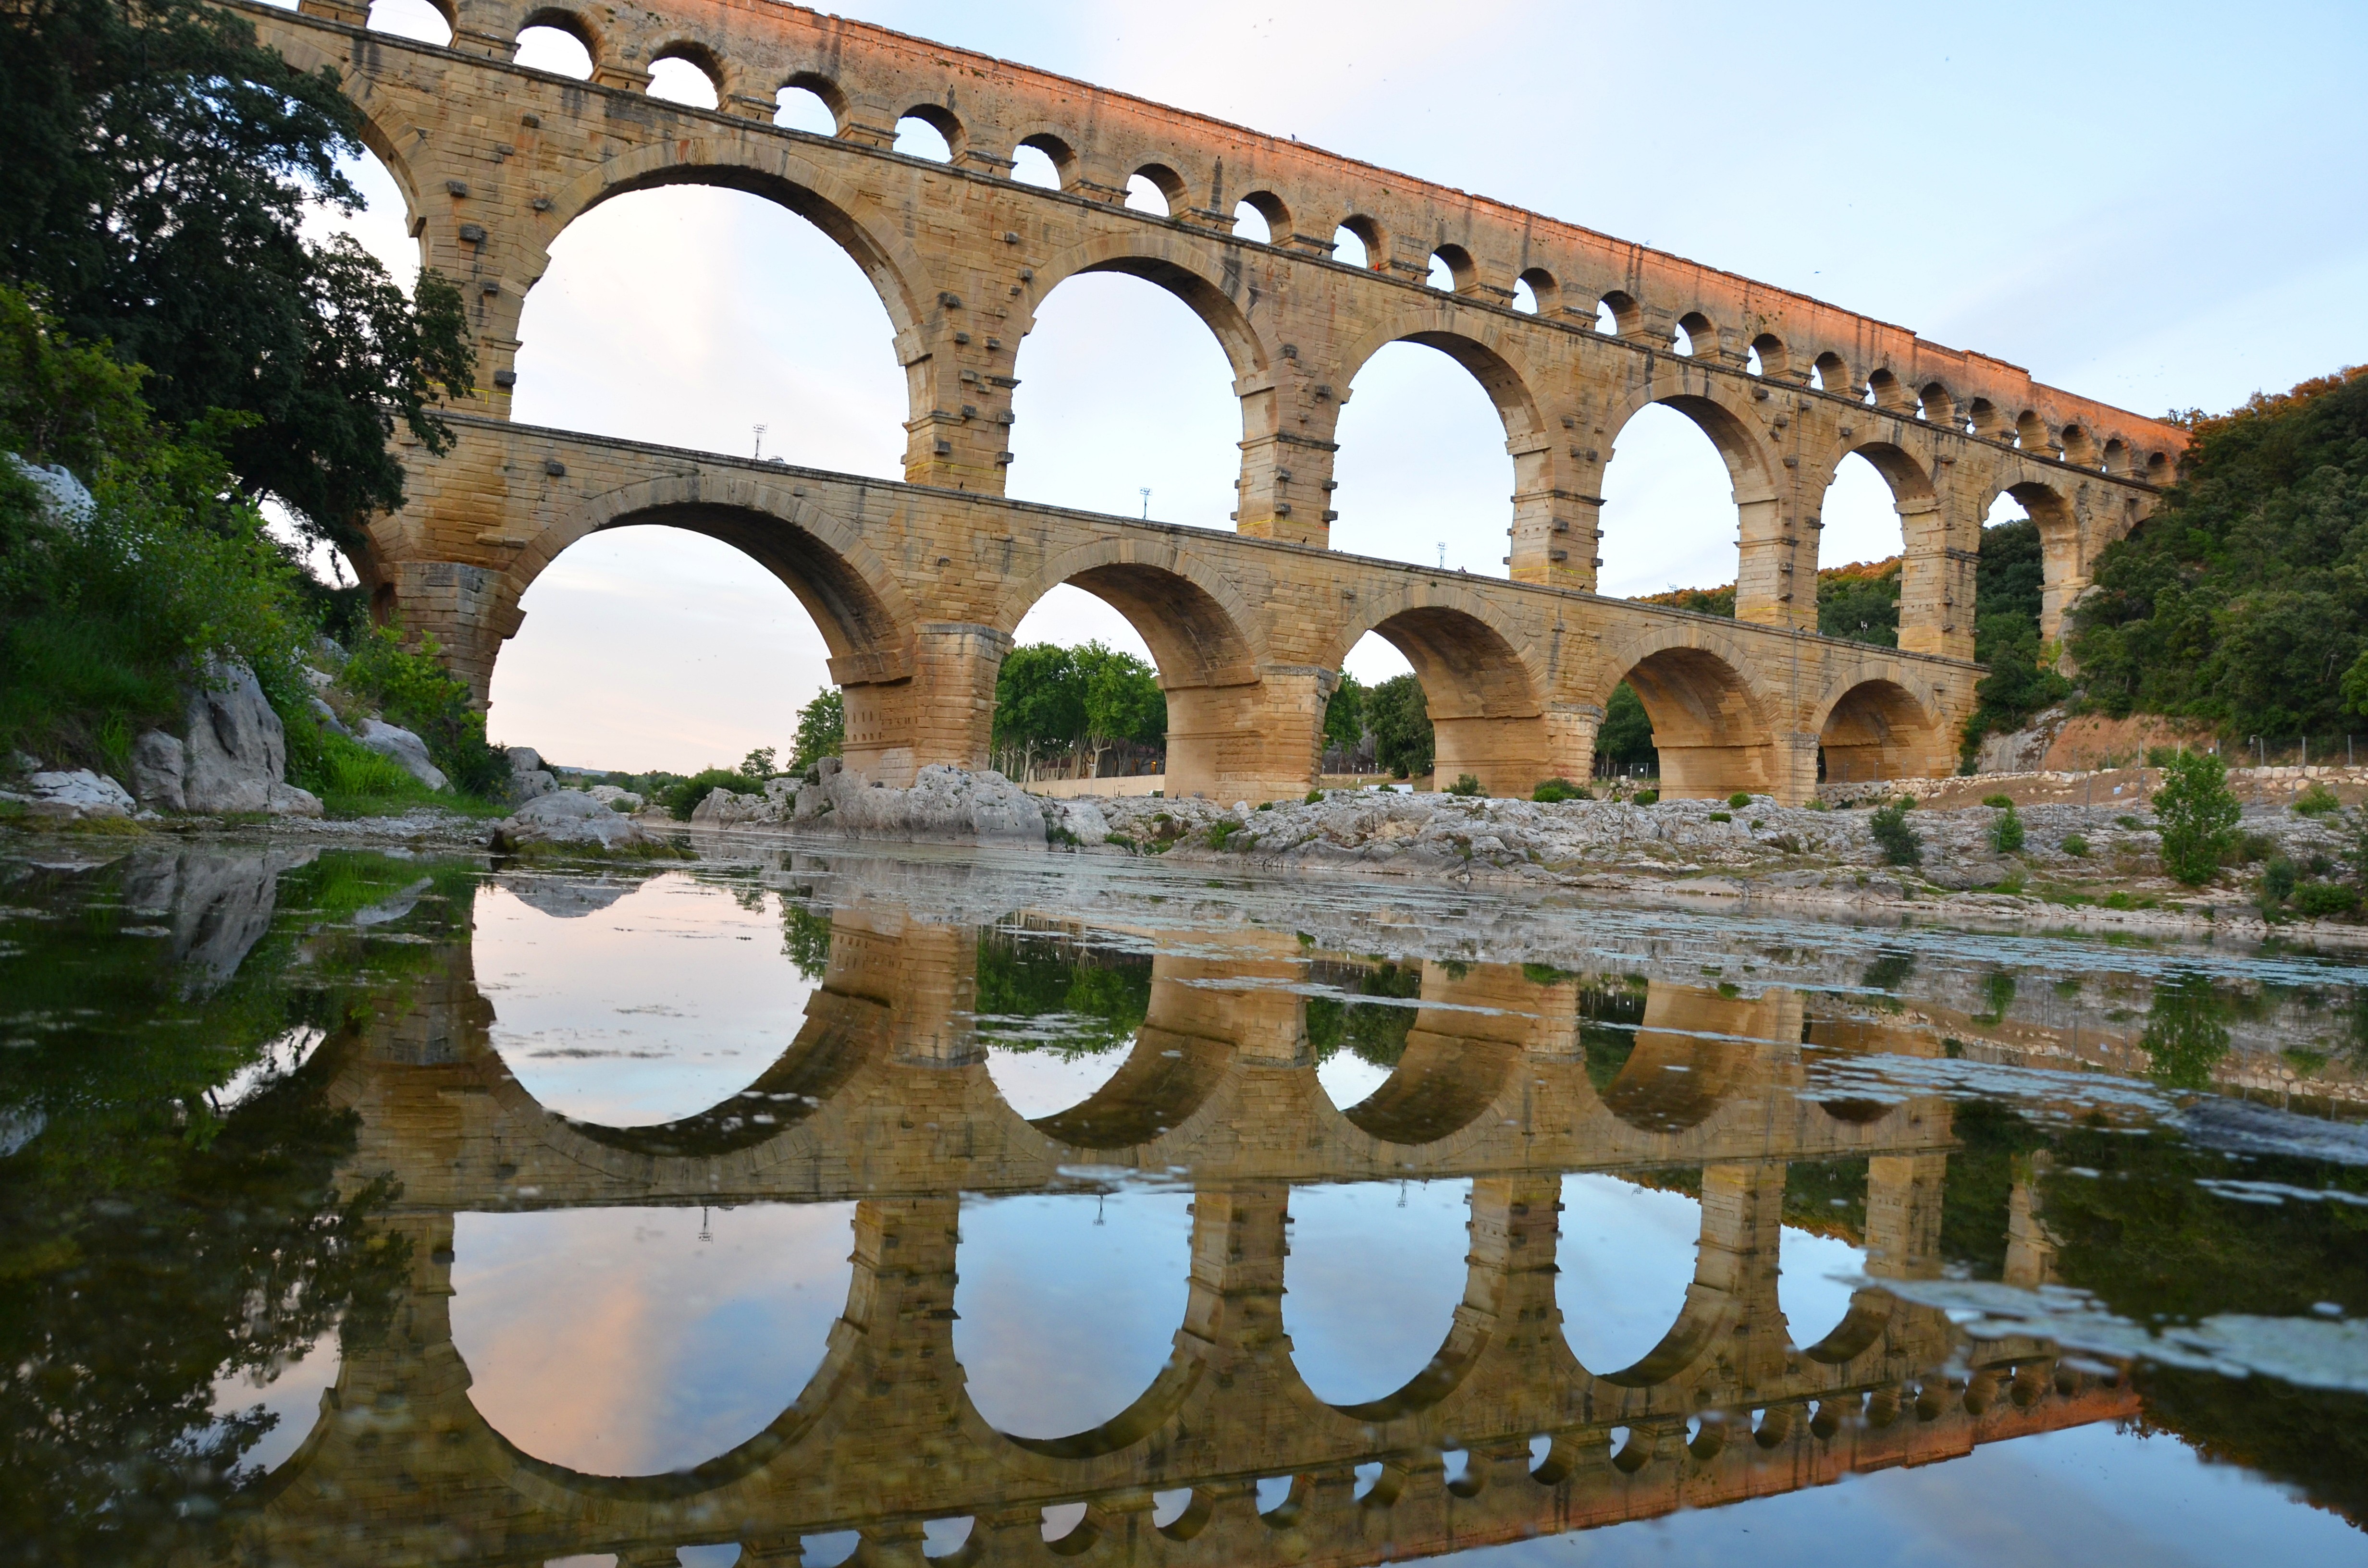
(2198, 816)
(1897, 841)
(411, 687)
(1646, 797)
(2251, 848)
(1551, 790)
(1722, 816)
(1998, 802)
(1464, 785)
(2161, 756)
(2319, 801)
(2319, 900)
(682, 798)
(2135, 824)
(1222, 831)
(1739, 800)
(2075, 846)
(1313, 796)
(2278, 878)
(2006, 834)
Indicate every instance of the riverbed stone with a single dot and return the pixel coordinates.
(160, 764)
(403, 747)
(571, 820)
(236, 749)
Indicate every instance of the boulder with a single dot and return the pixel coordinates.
(524, 759)
(613, 798)
(160, 763)
(532, 784)
(328, 716)
(236, 749)
(569, 820)
(945, 805)
(1081, 819)
(402, 746)
(723, 808)
(64, 498)
(72, 797)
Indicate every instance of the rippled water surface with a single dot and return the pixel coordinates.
(369, 1209)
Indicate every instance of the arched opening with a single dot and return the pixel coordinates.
(1625, 1256)
(1351, 1342)
(765, 325)
(1884, 391)
(1811, 1289)
(1155, 189)
(1451, 270)
(1862, 542)
(1879, 730)
(705, 1327)
(1455, 1058)
(1536, 293)
(1067, 1305)
(1706, 729)
(678, 78)
(1766, 356)
(1456, 695)
(2029, 572)
(1828, 373)
(1259, 218)
(1206, 673)
(672, 1001)
(928, 131)
(1422, 471)
(557, 42)
(1935, 407)
(1619, 315)
(1358, 1033)
(1694, 334)
(1358, 241)
(1095, 429)
(809, 104)
(1045, 161)
(1669, 520)
(417, 20)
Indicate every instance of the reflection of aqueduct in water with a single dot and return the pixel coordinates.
(917, 587)
(885, 1099)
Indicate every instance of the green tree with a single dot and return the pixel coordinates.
(1120, 700)
(1399, 715)
(411, 684)
(1344, 715)
(1861, 603)
(161, 165)
(1625, 737)
(1039, 704)
(821, 730)
(2197, 816)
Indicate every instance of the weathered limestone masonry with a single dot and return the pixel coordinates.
(904, 1121)
(917, 587)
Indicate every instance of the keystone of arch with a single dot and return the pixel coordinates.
(735, 491)
(1212, 292)
(759, 164)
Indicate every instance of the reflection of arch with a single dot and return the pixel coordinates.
(1878, 730)
(1482, 694)
(1167, 1077)
(1708, 725)
(1672, 1082)
(1196, 625)
(1454, 1065)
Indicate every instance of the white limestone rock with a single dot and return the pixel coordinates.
(75, 796)
(615, 799)
(400, 746)
(236, 757)
(945, 805)
(571, 820)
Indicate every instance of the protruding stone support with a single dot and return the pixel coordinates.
(1777, 575)
(954, 667)
(1936, 580)
(1903, 1215)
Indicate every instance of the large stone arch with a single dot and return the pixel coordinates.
(1470, 337)
(1484, 688)
(1209, 646)
(1213, 286)
(2064, 546)
(1716, 732)
(1881, 724)
(1721, 408)
(855, 602)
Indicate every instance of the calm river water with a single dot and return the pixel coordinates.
(812, 1209)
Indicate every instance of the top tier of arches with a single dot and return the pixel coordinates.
(1211, 173)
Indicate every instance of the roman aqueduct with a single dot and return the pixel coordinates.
(919, 587)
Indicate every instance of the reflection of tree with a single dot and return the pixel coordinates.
(2187, 1030)
(152, 1244)
(1090, 998)
(1374, 1032)
(2312, 1438)
(1609, 1017)
(806, 938)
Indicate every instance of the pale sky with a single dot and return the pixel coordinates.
(2158, 206)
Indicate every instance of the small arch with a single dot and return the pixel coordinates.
(1453, 270)
(424, 21)
(1543, 294)
(1878, 730)
(2080, 449)
(930, 132)
(1618, 315)
(1044, 160)
(1261, 217)
(2158, 470)
(1934, 405)
(2115, 458)
(1707, 727)
(1766, 356)
(559, 42)
(1828, 373)
(1358, 241)
(2031, 434)
(1987, 421)
(1156, 188)
(687, 74)
(1182, 1514)
(1885, 391)
(811, 103)
(1695, 336)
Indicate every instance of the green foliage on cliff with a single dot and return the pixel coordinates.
(2244, 599)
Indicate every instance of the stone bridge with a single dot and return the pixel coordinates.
(884, 1440)
(917, 587)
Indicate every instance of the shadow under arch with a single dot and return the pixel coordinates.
(1878, 728)
(1708, 725)
(1203, 640)
(1482, 697)
(2064, 571)
(862, 613)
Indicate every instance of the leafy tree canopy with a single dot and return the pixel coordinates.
(1399, 716)
(160, 166)
(1050, 698)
